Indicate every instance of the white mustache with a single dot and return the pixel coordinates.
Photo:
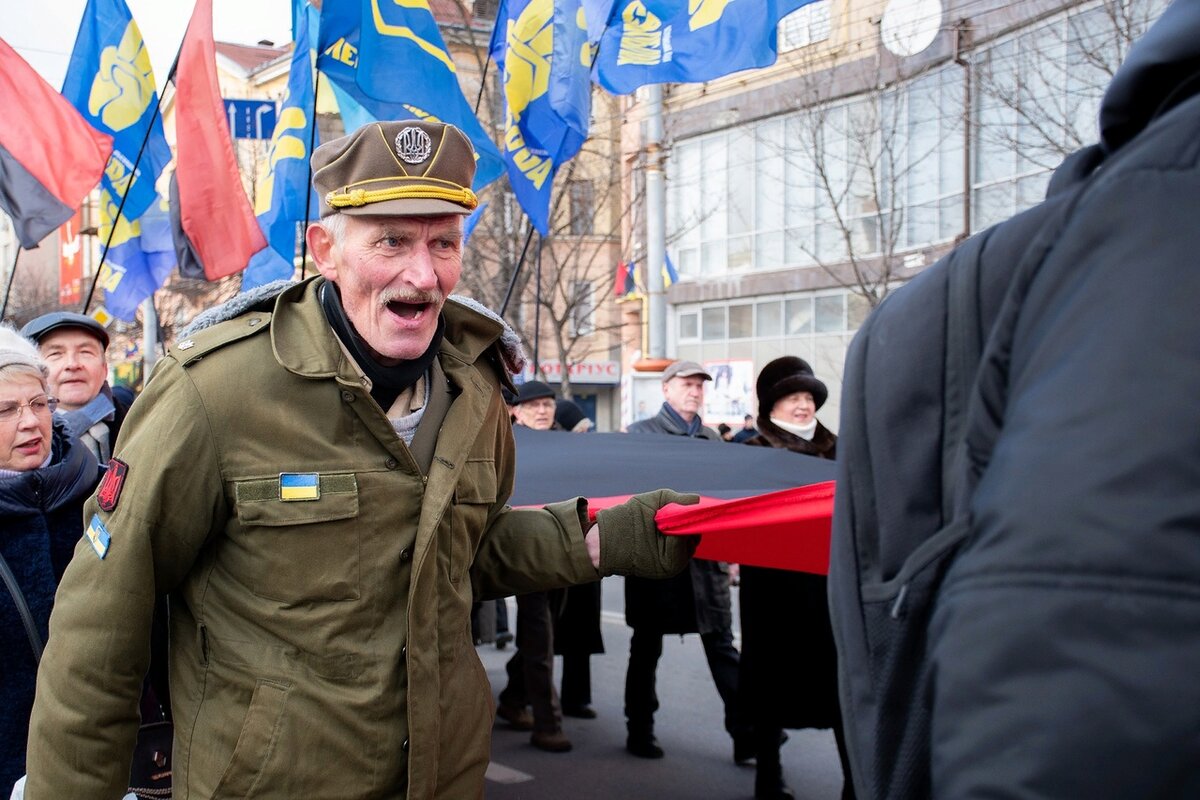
(434, 297)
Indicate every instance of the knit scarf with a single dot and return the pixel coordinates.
(692, 428)
(386, 382)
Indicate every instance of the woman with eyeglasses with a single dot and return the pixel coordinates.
(45, 476)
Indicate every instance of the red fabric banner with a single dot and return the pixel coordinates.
(50, 157)
(785, 530)
(214, 210)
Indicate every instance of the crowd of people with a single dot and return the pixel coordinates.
(317, 477)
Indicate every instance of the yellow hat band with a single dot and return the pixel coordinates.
(352, 197)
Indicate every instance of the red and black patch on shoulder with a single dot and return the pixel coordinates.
(110, 486)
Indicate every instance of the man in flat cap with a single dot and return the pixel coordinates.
(695, 601)
(531, 669)
(73, 347)
(319, 483)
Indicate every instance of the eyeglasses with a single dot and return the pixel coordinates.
(41, 406)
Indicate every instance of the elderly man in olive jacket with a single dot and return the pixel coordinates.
(319, 484)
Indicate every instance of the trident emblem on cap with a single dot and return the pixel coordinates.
(413, 145)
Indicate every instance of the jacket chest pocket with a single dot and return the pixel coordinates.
(298, 551)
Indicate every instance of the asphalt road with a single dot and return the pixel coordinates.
(699, 754)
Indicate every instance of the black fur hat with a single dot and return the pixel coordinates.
(783, 376)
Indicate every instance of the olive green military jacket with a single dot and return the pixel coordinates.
(320, 648)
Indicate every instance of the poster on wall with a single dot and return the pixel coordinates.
(730, 396)
(645, 397)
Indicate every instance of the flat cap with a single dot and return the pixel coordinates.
(532, 390)
(400, 168)
(38, 327)
(685, 369)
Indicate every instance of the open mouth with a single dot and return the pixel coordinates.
(405, 310)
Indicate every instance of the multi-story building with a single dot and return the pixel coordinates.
(800, 195)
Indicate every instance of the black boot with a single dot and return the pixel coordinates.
(641, 742)
(768, 773)
(769, 785)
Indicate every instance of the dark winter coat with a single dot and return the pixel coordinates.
(40, 524)
(1062, 649)
(696, 600)
(788, 671)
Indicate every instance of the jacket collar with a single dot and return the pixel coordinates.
(304, 343)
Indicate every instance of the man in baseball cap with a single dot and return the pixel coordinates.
(73, 347)
(320, 479)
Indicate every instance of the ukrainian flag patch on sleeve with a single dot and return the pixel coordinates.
(299, 486)
(97, 534)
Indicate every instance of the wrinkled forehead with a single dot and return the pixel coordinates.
(70, 337)
(408, 222)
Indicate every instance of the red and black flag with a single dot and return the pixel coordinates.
(758, 505)
(50, 157)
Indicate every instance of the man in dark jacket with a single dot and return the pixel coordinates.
(1062, 648)
(695, 601)
(531, 668)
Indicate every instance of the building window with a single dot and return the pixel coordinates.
(581, 197)
(768, 320)
(583, 309)
(712, 323)
(741, 321)
(1037, 96)
(689, 327)
(806, 25)
(484, 9)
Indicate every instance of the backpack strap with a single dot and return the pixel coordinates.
(964, 346)
(10, 580)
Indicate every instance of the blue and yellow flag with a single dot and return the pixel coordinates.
(140, 258)
(111, 83)
(542, 49)
(283, 199)
(686, 41)
(390, 58)
(669, 275)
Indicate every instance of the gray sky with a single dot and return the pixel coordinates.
(43, 31)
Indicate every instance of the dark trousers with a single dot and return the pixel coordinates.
(576, 680)
(641, 699)
(531, 668)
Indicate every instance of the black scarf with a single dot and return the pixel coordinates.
(386, 382)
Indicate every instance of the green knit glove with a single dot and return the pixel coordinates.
(630, 543)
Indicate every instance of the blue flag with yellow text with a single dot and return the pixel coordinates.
(686, 41)
(140, 258)
(391, 59)
(284, 198)
(110, 81)
(542, 49)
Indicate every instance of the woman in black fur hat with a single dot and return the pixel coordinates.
(788, 674)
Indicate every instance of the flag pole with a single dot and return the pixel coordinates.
(516, 270)
(312, 139)
(125, 195)
(487, 62)
(12, 274)
(537, 306)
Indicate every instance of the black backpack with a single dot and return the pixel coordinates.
(915, 438)
(896, 531)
